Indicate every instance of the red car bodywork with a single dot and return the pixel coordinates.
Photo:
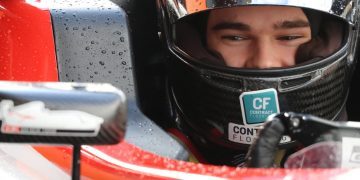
(28, 50)
(27, 53)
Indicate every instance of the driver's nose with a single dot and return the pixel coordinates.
(263, 55)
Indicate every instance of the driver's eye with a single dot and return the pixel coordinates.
(288, 38)
(233, 38)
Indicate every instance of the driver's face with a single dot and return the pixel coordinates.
(257, 37)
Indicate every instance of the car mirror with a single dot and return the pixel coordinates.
(62, 113)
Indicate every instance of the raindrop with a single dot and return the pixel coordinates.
(103, 51)
(92, 42)
(101, 63)
(91, 63)
(123, 63)
(113, 52)
(87, 48)
(96, 72)
(122, 39)
(120, 53)
(117, 32)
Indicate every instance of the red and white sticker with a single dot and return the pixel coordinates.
(10, 129)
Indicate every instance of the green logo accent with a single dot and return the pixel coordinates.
(256, 106)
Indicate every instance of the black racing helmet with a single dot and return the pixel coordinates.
(224, 103)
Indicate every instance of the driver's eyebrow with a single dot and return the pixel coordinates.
(291, 24)
(231, 25)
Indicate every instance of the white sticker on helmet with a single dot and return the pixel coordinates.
(246, 134)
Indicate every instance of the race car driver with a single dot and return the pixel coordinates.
(235, 62)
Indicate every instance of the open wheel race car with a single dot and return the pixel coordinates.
(119, 131)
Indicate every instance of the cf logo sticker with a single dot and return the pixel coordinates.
(259, 103)
(256, 106)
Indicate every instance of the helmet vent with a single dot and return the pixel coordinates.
(295, 82)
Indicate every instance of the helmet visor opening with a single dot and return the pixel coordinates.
(260, 37)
